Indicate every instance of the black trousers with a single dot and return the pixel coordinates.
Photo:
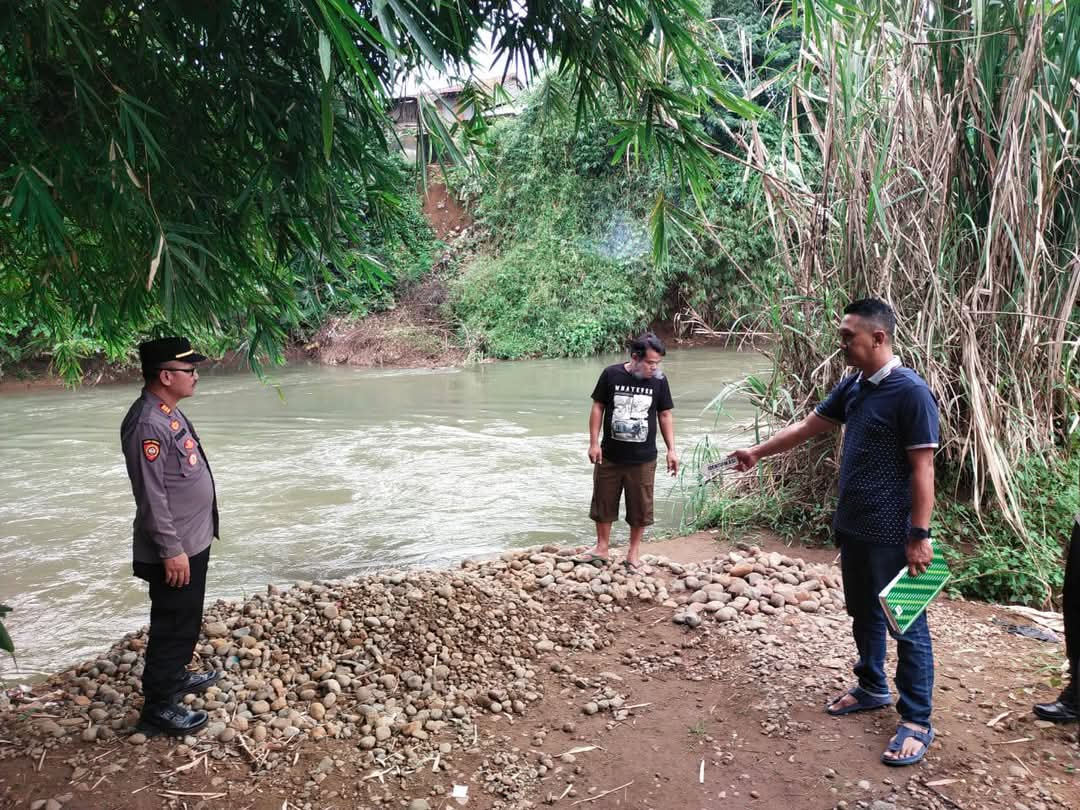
(1070, 606)
(175, 620)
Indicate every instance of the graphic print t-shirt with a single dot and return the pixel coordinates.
(630, 407)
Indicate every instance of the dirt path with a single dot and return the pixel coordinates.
(720, 716)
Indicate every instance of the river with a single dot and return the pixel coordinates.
(324, 473)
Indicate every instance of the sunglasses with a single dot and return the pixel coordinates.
(179, 370)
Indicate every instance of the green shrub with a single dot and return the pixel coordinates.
(568, 266)
(990, 560)
(552, 297)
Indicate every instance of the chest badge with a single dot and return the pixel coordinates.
(151, 449)
(189, 443)
(192, 460)
(174, 424)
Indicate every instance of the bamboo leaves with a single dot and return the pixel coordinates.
(324, 55)
(165, 164)
(156, 261)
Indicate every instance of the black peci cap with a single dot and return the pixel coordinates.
(153, 353)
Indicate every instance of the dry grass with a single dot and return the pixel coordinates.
(948, 179)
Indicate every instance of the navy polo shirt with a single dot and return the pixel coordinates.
(884, 416)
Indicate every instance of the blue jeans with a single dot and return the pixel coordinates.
(867, 568)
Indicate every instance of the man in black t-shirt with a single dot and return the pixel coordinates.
(629, 402)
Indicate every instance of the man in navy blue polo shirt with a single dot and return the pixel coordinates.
(882, 519)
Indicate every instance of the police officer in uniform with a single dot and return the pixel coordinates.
(1067, 707)
(176, 518)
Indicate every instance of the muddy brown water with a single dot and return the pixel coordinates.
(327, 473)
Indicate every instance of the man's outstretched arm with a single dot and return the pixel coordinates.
(782, 441)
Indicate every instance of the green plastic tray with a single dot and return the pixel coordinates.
(906, 597)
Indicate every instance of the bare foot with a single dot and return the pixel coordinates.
(911, 746)
(843, 702)
(593, 555)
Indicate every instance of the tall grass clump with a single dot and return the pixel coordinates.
(945, 138)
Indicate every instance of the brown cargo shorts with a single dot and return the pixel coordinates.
(611, 479)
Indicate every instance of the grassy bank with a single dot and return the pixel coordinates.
(989, 558)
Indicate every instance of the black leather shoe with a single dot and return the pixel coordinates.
(171, 719)
(1060, 711)
(192, 682)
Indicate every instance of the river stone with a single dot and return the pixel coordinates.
(48, 728)
(214, 729)
(396, 668)
(216, 630)
(741, 569)
(738, 587)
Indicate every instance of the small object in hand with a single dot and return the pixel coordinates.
(716, 468)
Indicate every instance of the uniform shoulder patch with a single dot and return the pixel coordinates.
(165, 409)
(151, 449)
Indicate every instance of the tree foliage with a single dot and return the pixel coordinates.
(191, 165)
(568, 265)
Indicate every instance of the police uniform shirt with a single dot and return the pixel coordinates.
(176, 505)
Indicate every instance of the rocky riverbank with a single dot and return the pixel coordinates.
(511, 680)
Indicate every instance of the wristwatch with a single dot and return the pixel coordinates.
(918, 534)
